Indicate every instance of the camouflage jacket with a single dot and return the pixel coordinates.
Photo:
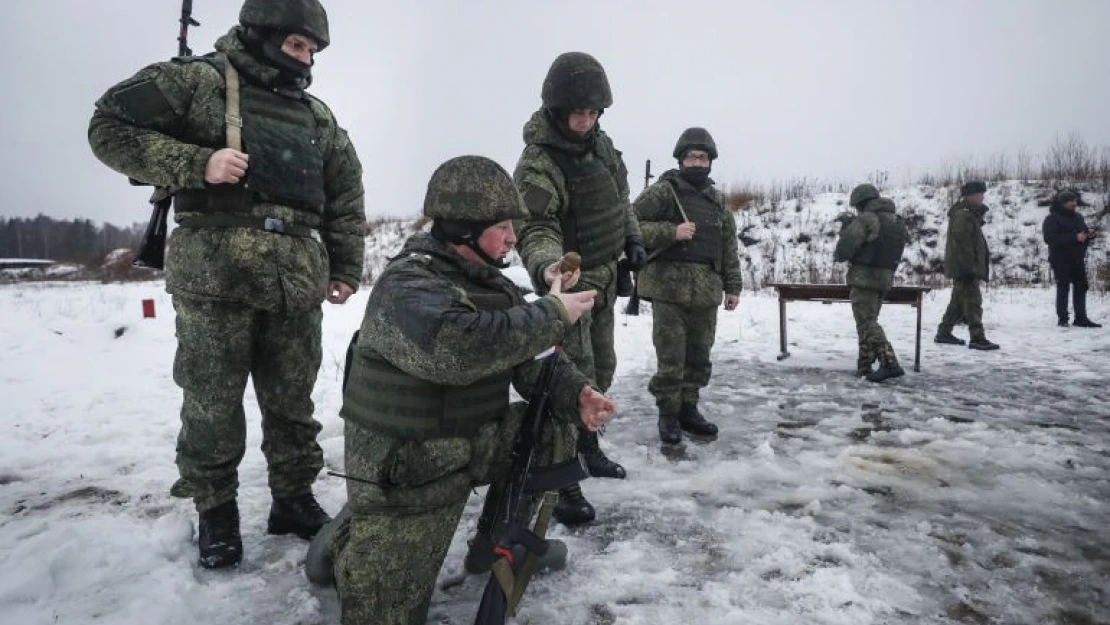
(160, 127)
(690, 284)
(857, 233)
(420, 320)
(541, 236)
(965, 252)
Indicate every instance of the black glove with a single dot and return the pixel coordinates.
(635, 253)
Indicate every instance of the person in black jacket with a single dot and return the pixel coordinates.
(1068, 237)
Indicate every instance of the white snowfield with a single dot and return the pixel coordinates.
(976, 491)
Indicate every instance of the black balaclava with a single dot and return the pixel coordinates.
(460, 232)
(698, 176)
(266, 46)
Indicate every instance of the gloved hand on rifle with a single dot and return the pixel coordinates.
(635, 253)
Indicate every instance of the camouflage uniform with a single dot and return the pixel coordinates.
(247, 299)
(873, 244)
(544, 186)
(427, 409)
(966, 262)
(576, 191)
(685, 291)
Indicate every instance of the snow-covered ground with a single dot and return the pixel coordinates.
(976, 491)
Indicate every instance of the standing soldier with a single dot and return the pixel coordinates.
(694, 262)
(966, 262)
(575, 186)
(264, 235)
(426, 399)
(872, 244)
(1068, 237)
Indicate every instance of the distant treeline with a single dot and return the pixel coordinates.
(75, 240)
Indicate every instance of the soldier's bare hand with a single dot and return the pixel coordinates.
(338, 292)
(1081, 237)
(685, 231)
(594, 409)
(226, 166)
(569, 278)
(576, 304)
(731, 302)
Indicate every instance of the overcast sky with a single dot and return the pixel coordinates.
(833, 89)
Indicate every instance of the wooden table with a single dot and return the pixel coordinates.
(828, 293)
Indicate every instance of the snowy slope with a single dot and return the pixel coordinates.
(976, 491)
(793, 240)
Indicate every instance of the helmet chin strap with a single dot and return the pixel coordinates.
(473, 244)
(465, 233)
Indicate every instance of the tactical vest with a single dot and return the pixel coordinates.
(885, 252)
(706, 213)
(382, 397)
(287, 162)
(593, 224)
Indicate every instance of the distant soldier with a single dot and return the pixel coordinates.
(575, 186)
(872, 244)
(264, 235)
(426, 401)
(1068, 237)
(966, 262)
(694, 270)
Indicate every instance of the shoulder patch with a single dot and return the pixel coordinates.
(143, 101)
(536, 199)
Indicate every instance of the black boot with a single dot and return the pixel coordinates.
(219, 540)
(885, 372)
(670, 430)
(695, 422)
(301, 515)
(597, 462)
(1063, 323)
(1086, 323)
(948, 339)
(573, 508)
(982, 344)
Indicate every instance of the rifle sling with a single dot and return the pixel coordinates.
(233, 121)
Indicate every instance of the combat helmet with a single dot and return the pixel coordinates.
(576, 80)
(862, 193)
(473, 189)
(306, 17)
(695, 139)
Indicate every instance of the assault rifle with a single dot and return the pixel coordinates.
(633, 307)
(152, 247)
(508, 579)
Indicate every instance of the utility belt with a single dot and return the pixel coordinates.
(266, 224)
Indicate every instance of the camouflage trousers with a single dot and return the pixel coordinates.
(589, 344)
(389, 553)
(873, 344)
(220, 344)
(966, 304)
(683, 338)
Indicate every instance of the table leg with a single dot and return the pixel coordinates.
(917, 345)
(782, 329)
